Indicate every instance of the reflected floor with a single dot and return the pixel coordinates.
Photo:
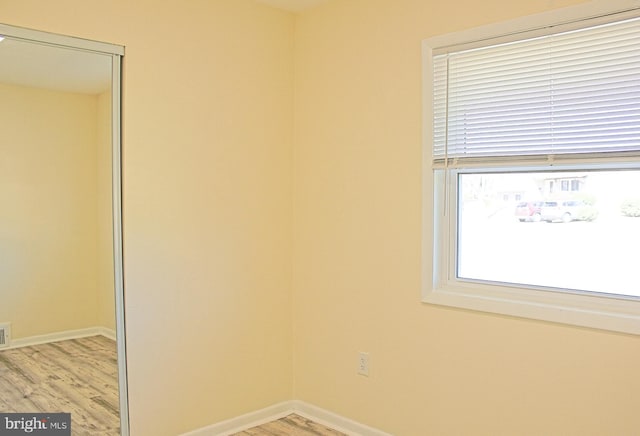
(77, 376)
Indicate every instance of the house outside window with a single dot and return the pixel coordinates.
(532, 161)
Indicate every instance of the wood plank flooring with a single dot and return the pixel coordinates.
(77, 376)
(292, 425)
(80, 376)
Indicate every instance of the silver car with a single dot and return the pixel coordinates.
(565, 211)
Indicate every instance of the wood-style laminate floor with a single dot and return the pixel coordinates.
(77, 376)
(292, 425)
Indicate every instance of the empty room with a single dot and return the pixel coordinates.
(364, 217)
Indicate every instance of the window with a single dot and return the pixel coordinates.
(532, 160)
(575, 185)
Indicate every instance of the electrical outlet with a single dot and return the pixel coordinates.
(363, 364)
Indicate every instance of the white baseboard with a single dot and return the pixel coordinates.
(280, 410)
(335, 421)
(243, 422)
(61, 336)
(107, 333)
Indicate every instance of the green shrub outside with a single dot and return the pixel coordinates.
(587, 213)
(631, 207)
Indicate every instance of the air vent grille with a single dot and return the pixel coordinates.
(5, 335)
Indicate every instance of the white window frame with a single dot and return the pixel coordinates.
(440, 285)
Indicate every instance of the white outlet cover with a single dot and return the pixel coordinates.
(363, 364)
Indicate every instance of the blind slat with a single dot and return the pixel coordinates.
(572, 93)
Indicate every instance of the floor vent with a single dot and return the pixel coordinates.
(5, 334)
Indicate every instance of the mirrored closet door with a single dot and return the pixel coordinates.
(62, 339)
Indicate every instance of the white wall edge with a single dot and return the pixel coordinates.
(61, 336)
(280, 410)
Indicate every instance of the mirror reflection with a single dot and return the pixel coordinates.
(57, 309)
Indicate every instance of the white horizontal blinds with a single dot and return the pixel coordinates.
(572, 93)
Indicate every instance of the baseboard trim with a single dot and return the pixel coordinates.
(335, 421)
(280, 410)
(244, 422)
(61, 336)
(107, 333)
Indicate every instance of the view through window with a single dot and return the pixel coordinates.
(573, 230)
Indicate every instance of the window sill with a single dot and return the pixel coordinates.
(619, 315)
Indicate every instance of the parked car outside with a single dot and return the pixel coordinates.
(529, 211)
(567, 211)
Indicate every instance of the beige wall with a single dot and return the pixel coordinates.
(48, 219)
(207, 199)
(208, 231)
(357, 236)
(105, 274)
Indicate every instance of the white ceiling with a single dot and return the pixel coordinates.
(42, 66)
(293, 5)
